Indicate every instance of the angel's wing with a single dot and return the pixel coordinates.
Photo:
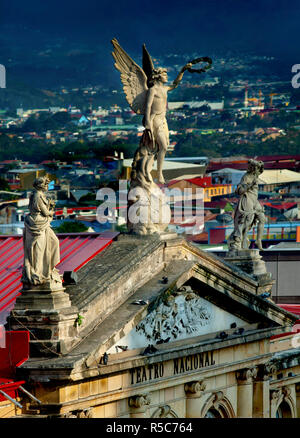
(133, 78)
(148, 66)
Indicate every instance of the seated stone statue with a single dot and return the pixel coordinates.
(41, 246)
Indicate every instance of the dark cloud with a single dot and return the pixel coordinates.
(260, 25)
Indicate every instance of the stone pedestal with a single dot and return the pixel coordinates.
(43, 297)
(148, 211)
(48, 316)
(250, 261)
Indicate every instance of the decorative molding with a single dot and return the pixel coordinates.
(220, 403)
(286, 391)
(281, 393)
(270, 368)
(277, 396)
(164, 411)
(139, 401)
(195, 388)
(218, 397)
(265, 372)
(179, 315)
(80, 413)
(247, 375)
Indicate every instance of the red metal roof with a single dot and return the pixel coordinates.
(293, 308)
(76, 249)
(270, 162)
(281, 206)
(13, 354)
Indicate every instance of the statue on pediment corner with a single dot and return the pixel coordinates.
(249, 212)
(146, 92)
(41, 245)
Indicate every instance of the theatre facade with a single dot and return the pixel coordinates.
(153, 328)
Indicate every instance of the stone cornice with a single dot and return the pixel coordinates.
(241, 293)
(61, 369)
(193, 265)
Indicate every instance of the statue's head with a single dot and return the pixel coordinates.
(41, 183)
(255, 166)
(159, 74)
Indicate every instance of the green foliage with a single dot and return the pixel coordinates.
(228, 207)
(230, 142)
(45, 121)
(71, 227)
(78, 320)
(227, 144)
(122, 228)
(87, 198)
(3, 184)
(186, 94)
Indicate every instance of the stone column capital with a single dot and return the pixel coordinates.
(270, 369)
(265, 372)
(195, 388)
(246, 375)
(139, 401)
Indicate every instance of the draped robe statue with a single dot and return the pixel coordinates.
(249, 211)
(41, 246)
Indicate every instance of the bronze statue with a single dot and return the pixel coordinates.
(249, 212)
(146, 92)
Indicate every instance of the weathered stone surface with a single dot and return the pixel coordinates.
(52, 332)
(37, 299)
(250, 261)
(147, 268)
(249, 212)
(43, 294)
(146, 91)
(41, 246)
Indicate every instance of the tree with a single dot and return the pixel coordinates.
(71, 227)
(3, 184)
(228, 207)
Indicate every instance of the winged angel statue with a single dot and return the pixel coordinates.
(146, 92)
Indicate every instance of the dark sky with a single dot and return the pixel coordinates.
(265, 26)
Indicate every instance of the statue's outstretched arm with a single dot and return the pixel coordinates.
(179, 77)
(188, 67)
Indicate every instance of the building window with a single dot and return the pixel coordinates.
(164, 411)
(213, 413)
(283, 410)
(217, 406)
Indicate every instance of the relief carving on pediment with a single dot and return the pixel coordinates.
(179, 313)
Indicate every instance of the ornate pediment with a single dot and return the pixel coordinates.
(161, 293)
(177, 315)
